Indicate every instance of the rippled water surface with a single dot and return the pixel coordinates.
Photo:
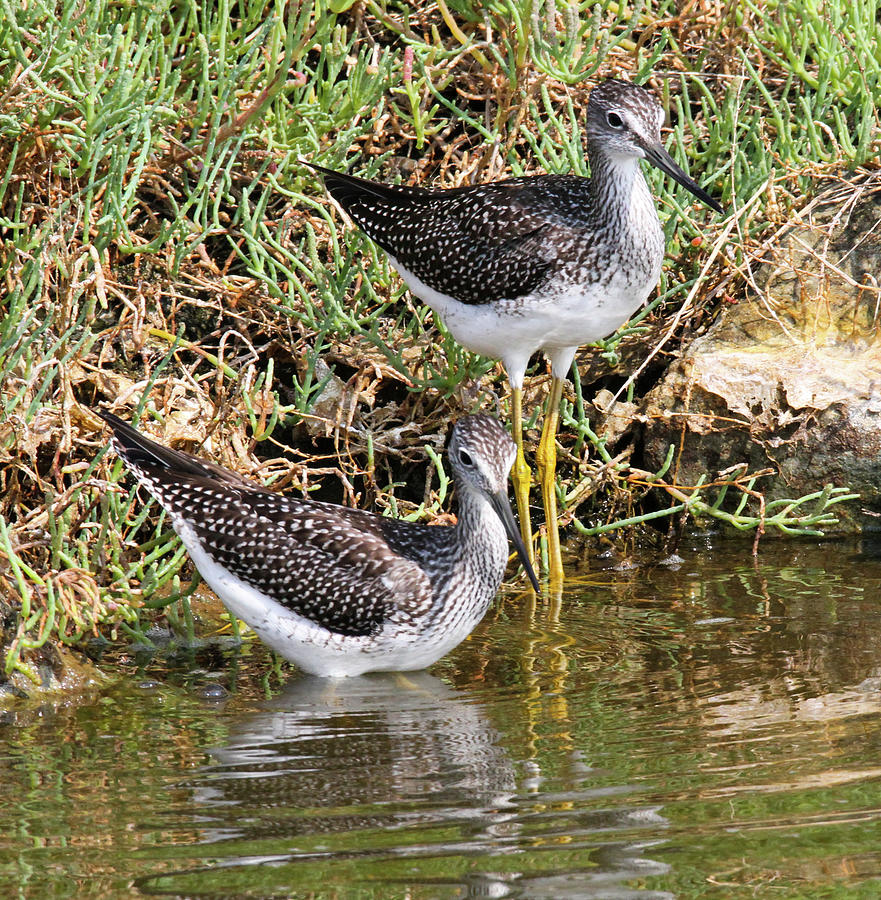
(711, 729)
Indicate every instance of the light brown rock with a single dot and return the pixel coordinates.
(791, 377)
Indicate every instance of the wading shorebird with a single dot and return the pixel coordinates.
(341, 591)
(545, 262)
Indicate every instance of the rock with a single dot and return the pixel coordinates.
(60, 674)
(790, 378)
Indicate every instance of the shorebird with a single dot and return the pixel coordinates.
(545, 262)
(341, 591)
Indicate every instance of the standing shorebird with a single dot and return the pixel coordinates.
(547, 262)
(341, 591)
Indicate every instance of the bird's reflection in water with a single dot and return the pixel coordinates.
(400, 782)
(377, 751)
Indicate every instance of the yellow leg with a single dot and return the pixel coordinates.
(546, 458)
(522, 475)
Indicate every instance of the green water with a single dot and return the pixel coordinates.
(711, 729)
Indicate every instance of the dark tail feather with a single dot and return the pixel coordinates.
(348, 190)
(139, 451)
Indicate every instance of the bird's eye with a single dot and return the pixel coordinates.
(614, 120)
(465, 458)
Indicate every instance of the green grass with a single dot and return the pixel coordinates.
(164, 250)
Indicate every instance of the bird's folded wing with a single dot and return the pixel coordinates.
(316, 563)
(476, 244)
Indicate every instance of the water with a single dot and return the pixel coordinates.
(711, 729)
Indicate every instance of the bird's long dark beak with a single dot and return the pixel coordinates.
(659, 157)
(502, 505)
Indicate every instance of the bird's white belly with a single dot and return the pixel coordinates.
(562, 320)
(312, 647)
